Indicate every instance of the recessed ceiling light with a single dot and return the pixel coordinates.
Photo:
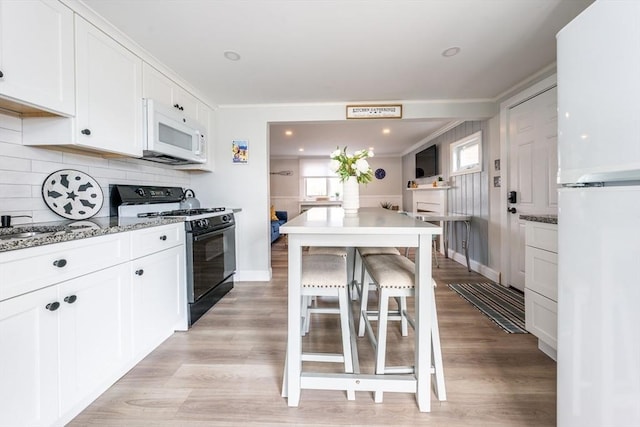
(288, 132)
(386, 131)
(301, 149)
(232, 55)
(451, 51)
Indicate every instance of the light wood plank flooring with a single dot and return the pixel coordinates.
(227, 369)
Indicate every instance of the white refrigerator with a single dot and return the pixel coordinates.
(599, 217)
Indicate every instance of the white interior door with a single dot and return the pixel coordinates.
(533, 164)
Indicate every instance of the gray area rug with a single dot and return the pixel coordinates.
(504, 306)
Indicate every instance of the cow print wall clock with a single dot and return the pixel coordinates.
(72, 194)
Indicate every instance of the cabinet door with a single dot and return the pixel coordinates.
(36, 54)
(159, 297)
(95, 333)
(188, 105)
(109, 93)
(156, 85)
(29, 360)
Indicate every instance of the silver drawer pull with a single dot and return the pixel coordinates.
(60, 262)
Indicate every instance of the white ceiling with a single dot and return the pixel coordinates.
(350, 51)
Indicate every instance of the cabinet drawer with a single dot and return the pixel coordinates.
(29, 269)
(155, 239)
(542, 235)
(541, 317)
(541, 272)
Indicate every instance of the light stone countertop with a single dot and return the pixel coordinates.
(322, 220)
(547, 219)
(66, 230)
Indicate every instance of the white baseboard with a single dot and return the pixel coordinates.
(482, 269)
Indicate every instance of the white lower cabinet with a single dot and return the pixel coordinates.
(64, 341)
(29, 360)
(541, 284)
(62, 346)
(95, 335)
(157, 301)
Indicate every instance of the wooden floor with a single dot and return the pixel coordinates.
(227, 369)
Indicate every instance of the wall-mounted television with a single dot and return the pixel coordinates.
(427, 162)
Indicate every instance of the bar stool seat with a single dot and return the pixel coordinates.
(394, 276)
(309, 300)
(328, 250)
(356, 285)
(326, 275)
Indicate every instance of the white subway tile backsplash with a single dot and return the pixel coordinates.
(70, 158)
(113, 174)
(11, 136)
(14, 164)
(34, 153)
(23, 169)
(11, 122)
(8, 190)
(50, 167)
(21, 204)
(27, 177)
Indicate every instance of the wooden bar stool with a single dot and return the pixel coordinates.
(394, 276)
(326, 275)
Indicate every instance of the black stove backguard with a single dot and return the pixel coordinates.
(122, 194)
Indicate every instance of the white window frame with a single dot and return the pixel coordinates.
(328, 186)
(457, 147)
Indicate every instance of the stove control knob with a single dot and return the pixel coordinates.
(225, 218)
(203, 223)
(140, 192)
(167, 193)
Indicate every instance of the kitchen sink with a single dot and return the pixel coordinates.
(25, 235)
(37, 232)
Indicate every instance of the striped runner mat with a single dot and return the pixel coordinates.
(504, 306)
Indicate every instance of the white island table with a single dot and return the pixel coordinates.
(370, 227)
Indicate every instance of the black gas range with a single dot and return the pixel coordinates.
(210, 239)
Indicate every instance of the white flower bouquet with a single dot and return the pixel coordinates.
(355, 164)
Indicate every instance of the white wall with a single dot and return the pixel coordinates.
(247, 186)
(288, 191)
(23, 169)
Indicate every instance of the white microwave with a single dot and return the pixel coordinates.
(169, 138)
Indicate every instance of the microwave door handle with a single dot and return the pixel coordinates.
(200, 144)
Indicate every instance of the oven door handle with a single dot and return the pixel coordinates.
(217, 232)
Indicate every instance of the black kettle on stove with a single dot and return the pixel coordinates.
(189, 200)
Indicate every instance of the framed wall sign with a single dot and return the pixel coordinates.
(240, 152)
(374, 111)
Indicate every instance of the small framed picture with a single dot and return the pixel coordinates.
(240, 152)
(496, 164)
(496, 181)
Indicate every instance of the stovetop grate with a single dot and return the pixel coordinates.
(180, 212)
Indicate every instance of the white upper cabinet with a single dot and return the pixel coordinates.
(108, 99)
(109, 93)
(36, 56)
(161, 88)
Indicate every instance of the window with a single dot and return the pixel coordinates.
(466, 154)
(322, 187)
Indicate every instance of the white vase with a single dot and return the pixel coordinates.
(350, 196)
